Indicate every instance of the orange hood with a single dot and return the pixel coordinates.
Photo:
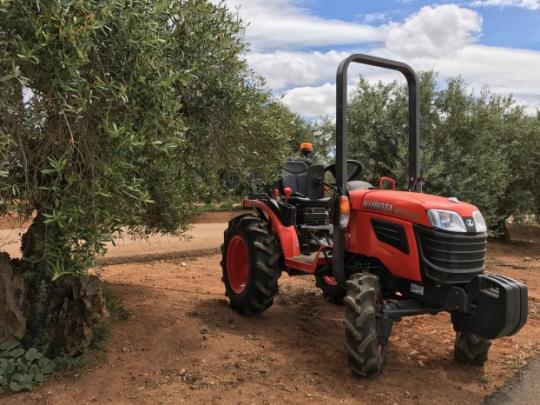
(406, 205)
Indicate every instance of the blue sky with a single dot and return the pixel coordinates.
(297, 44)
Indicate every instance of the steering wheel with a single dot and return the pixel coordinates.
(355, 173)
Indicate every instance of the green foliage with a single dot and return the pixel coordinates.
(482, 148)
(21, 369)
(119, 114)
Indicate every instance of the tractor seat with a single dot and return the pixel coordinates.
(294, 175)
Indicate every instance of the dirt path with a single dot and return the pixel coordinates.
(183, 344)
(205, 237)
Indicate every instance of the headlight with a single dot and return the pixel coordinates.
(447, 220)
(479, 222)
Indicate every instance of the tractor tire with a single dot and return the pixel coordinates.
(331, 290)
(361, 340)
(471, 349)
(250, 264)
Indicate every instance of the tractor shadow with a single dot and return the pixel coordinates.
(307, 331)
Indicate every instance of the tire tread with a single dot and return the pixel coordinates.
(361, 340)
(471, 349)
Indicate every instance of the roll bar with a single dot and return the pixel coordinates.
(414, 180)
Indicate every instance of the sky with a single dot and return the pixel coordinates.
(297, 44)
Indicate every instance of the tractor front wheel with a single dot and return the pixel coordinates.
(250, 264)
(361, 339)
(471, 349)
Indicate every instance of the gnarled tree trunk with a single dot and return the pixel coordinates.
(13, 302)
(60, 314)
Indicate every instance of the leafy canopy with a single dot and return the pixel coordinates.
(120, 113)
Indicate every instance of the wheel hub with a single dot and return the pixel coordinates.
(237, 264)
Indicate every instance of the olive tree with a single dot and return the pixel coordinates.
(116, 115)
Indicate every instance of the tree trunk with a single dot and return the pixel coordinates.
(12, 302)
(62, 314)
(503, 232)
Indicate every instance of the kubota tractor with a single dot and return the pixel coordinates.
(385, 253)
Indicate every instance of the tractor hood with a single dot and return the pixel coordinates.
(406, 205)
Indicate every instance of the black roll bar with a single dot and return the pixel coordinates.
(414, 180)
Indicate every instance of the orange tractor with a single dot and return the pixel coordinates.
(385, 253)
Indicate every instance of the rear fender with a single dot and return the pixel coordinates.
(287, 236)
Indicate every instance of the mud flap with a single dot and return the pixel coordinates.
(498, 307)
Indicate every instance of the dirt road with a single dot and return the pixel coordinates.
(205, 236)
(183, 344)
(202, 237)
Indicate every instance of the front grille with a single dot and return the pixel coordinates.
(450, 258)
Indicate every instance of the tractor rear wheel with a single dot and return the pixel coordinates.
(471, 349)
(361, 340)
(250, 264)
(331, 290)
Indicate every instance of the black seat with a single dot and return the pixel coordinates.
(295, 176)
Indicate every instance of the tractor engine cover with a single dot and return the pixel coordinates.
(498, 307)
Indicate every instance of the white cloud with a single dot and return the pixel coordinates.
(503, 70)
(281, 23)
(320, 101)
(312, 101)
(528, 4)
(434, 32)
(374, 18)
(315, 101)
(283, 69)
